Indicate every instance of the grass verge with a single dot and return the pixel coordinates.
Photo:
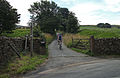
(23, 65)
(83, 51)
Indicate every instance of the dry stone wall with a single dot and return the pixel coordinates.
(108, 46)
(6, 52)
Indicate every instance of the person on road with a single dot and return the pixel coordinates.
(59, 38)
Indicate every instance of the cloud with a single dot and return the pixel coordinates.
(112, 5)
(87, 11)
(68, 0)
(112, 2)
(94, 13)
(23, 6)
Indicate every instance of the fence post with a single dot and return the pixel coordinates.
(92, 44)
(26, 43)
(72, 41)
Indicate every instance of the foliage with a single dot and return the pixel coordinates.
(37, 31)
(8, 16)
(72, 26)
(17, 33)
(63, 15)
(102, 25)
(49, 38)
(50, 17)
(4, 76)
(44, 13)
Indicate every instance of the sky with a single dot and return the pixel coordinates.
(89, 12)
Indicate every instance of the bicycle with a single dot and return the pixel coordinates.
(60, 44)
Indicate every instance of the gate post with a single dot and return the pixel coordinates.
(92, 44)
(72, 41)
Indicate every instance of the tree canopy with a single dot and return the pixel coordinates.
(50, 17)
(8, 16)
(104, 25)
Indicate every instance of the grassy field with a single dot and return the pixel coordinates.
(100, 32)
(17, 33)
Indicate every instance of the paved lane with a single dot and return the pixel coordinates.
(61, 62)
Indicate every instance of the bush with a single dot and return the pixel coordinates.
(102, 25)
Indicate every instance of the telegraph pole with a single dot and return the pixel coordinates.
(31, 39)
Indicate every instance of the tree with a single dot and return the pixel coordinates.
(8, 16)
(63, 14)
(107, 25)
(50, 17)
(72, 26)
(102, 25)
(45, 15)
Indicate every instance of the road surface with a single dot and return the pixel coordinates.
(66, 63)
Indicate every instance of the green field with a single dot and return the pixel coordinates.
(17, 33)
(99, 32)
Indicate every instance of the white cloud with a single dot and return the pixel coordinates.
(85, 12)
(106, 12)
(68, 0)
(22, 6)
(112, 5)
(85, 8)
(112, 2)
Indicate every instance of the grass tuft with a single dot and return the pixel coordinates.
(4, 76)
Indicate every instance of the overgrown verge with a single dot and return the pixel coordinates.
(21, 66)
(49, 38)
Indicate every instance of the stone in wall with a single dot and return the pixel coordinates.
(108, 46)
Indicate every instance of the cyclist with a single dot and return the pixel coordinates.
(59, 38)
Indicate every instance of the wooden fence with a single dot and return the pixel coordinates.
(81, 43)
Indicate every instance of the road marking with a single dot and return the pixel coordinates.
(71, 65)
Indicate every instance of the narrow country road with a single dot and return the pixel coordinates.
(66, 63)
